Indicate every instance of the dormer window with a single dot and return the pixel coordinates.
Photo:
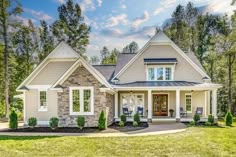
(160, 73)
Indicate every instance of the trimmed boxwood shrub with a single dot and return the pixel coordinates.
(135, 124)
(196, 118)
(137, 118)
(80, 122)
(13, 124)
(121, 124)
(54, 122)
(102, 121)
(32, 122)
(228, 119)
(123, 118)
(211, 119)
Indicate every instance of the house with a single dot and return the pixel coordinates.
(158, 78)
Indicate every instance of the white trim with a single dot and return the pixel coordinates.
(24, 106)
(81, 89)
(39, 105)
(191, 102)
(164, 72)
(91, 69)
(134, 94)
(167, 99)
(171, 43)
(39, 87)
(41, 66)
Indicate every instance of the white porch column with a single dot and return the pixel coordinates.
(116, 105)
(177, 104)
(205, 107)
(214, 103)
(149, 104)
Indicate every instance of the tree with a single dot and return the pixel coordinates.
(131, 48)
(104, 55)
(71, 27)
(7, 8)
(46, 40)
(94, 60)
(108, 57)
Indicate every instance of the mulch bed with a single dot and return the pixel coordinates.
(129, 126)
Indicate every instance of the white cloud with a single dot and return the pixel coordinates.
(116, 20)
(23, 20)
(140, 20)
(90, 22)
(221, 7)
(38, 14)
(158, 10)
(99, 2)
(123, 6)
(87, 5)
(60, 1)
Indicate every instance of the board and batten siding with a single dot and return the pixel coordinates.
(32, 105)
(51, 73)
(183, 70)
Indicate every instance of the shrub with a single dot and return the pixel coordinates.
(80, 122)
(54, 122)
(228, 119)
(137, 118)
(121, 124)
(102, 121)
(192, 123)
(32, 122)
(171, 112)
(211, 119)
(123, 118)
(208, 123)
(196, 118)
(13, 124)
(135, 124)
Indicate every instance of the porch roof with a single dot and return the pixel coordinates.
(166, 84)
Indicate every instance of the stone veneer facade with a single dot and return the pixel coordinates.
(102, 101)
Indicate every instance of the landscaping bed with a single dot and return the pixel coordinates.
(129, 126)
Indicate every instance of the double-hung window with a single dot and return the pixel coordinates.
(160, 73)
(42, 100)
(81, 101)
(188, 102)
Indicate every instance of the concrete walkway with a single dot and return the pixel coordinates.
(153, 129)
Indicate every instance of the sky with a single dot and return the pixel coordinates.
(116, 23)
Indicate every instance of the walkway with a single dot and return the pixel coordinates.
(153, 129)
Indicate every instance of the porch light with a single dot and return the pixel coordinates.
(191, 91)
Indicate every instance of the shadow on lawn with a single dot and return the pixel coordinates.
(6, 137)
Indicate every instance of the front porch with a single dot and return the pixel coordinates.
(156, 104)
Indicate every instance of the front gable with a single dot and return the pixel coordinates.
(160, 46)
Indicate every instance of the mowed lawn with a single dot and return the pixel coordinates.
(195, 141)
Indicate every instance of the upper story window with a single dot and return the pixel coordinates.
(81, 101)
(43, 100)
(160, 73)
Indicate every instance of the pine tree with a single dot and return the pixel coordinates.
(71, 27)
(131, 48)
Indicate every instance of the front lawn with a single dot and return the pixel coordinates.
(196, 141)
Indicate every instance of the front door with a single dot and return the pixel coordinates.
(160, 104)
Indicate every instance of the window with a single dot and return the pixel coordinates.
(160, 73)
(132, 102)
(188, 102)
(151, 75)
(81, 101)
(42, 100)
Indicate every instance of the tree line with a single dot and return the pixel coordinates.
(22, 47)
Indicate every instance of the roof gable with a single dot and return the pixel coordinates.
(161, 39)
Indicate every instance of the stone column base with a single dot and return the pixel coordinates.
(177, 119)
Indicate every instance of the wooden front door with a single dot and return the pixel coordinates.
(160, 104)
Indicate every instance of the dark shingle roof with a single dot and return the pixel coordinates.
(122, 60)
(160, 60)
(106, 70)
(157, 84)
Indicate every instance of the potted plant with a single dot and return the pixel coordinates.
(171, 112)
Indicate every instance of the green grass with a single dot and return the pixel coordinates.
(196, 141)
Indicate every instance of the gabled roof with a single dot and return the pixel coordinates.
(122, 60)
(89, 67)
(106, 70)
(161, 39)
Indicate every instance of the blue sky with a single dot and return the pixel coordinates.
(116, 23)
